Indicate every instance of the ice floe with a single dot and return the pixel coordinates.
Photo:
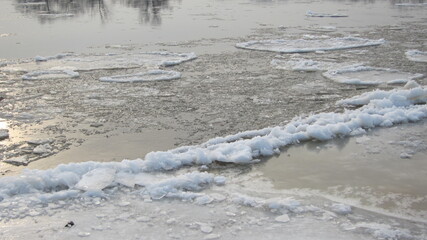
(416, 56)
(55, 15)
(100, 62)
(312, 45)
(316, 14)
(321, 28)
(306, 65)
(153, 75)
(50, 74)
(366, 75)
(411, 4)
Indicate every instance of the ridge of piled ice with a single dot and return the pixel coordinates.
(99, 62)
(246, 147)
(380, 109)
(416, 56)
(303, 45)
(396, 97)
(50, 74)
(153, 75)
(366, 75)
(315, 14)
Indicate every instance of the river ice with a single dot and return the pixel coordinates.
(416, 55)
(366, 75)
(97, 62)
(303, 45)
(153, 75)
(213, 188)
(40, 190)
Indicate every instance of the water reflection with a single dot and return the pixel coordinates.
(47, 11)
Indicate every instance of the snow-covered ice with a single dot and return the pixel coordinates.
(416, 55)
(153, 75)
(366, 75)
(316, 14)
(303, 45)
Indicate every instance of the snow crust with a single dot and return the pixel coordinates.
(153, 75)
(303, 45)
(315, 14)
(416, 56)
(366, 75)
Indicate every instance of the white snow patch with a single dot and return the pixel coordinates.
(315, 14)
(153, 75)
(313, 45)
(416, 56)
(50, 74)
(365, 75)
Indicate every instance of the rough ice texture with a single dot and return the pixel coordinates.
(50, 74)
(416, 56)
(98, 62)
(302, 45)
(365, 75)
(153, 75)
(306, 65)
(380, 109)
(315, 14)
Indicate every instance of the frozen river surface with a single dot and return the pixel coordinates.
(242, 119)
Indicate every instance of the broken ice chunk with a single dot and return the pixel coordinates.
(96, 179)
